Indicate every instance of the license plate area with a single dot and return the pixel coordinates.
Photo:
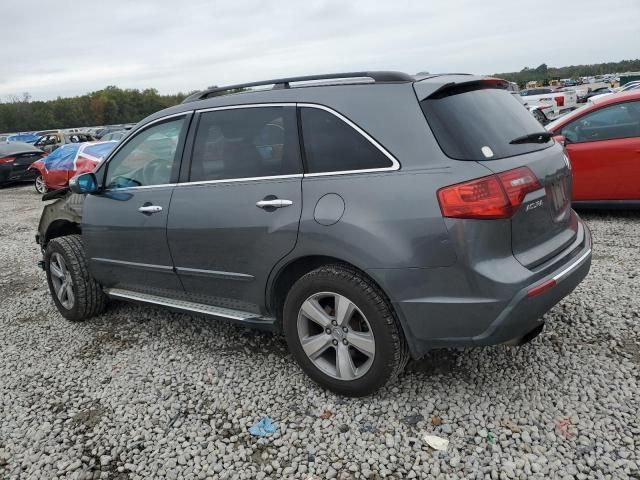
(558, 196)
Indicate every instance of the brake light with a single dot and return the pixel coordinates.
(560, 100)
(495, 196)
(5, 160)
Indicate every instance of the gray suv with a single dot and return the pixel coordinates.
(369, 216)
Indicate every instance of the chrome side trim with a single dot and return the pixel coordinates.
(143, 266)
(186, 305)
(235, 180)
(142, 187)
(215, 274)
(559, 276)
(395, 165)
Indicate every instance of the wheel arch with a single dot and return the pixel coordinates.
(60, 228)
(283, 278)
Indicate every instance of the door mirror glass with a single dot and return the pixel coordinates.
(84, 183)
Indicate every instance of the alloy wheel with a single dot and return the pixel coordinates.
(336, 336)
(41, 186)
(61, 281)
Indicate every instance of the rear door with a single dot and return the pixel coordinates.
(124, 226)
(604, 148)
(237, 213)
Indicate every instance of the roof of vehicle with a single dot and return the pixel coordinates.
(594, 105)
(616, 97)
(328, 89)
(16, 148)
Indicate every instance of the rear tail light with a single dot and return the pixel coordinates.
(5, 160)
(495, 196)
(560, 100)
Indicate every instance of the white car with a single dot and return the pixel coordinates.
(565, 100)
(543, 111)
(626, 88)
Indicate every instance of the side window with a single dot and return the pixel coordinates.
(331, 145)
(148, 158)
(616, 121)
(245, 143)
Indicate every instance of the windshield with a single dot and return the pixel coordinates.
(476, 122)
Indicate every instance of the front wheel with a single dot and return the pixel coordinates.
(342, 332)
(41, 186)
(76, 294)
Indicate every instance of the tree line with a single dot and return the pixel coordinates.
(111, 105)
(544, 73)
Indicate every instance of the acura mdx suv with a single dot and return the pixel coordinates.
(369, 216)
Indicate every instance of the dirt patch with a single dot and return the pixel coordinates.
(89, 417)
(105, 342)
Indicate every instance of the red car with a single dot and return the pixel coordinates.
(602, 139)
(67, 161)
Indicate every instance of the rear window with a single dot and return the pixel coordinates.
(473, 122)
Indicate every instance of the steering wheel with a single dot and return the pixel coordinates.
(155, 169)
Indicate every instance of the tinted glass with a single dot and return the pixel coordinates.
(147, 159)
(616, 121)
(331, 145)
(476, 123)
(246, 143)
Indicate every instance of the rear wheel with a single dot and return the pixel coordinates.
(39, 183)
(342, 331)
(76, 294)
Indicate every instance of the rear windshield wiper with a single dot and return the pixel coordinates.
(538, 137)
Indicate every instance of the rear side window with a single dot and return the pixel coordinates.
(246, 143)
(331, 145)
(473, 122)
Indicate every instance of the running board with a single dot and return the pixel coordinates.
(246, 318)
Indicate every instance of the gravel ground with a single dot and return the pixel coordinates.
(144, 393)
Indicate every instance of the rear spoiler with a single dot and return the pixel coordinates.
(431, 86)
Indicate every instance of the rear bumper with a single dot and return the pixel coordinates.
(485, 304)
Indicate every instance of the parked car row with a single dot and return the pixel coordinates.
(55, 170)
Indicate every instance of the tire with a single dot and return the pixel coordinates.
(40, 185)
(325, 294)
(81, 297)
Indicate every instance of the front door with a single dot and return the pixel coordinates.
(239, 212)
(125, 226)
(604, 148)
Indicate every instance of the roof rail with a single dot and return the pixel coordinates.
(283, 83)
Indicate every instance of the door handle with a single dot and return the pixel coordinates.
(150, 209)
(276, 203)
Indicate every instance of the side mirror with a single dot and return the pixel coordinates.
(84, 183)
(560, 139)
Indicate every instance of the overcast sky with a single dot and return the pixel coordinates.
(70, 48)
